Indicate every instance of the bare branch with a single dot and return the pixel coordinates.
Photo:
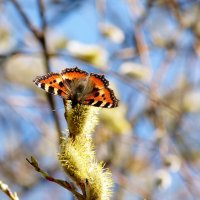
(40, 36)
(26, 20)
(4, 188)
(43, 43)
(62, 183)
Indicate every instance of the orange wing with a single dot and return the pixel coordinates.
(69, 74)
(52, 83)
(104, 98)
(99, 81)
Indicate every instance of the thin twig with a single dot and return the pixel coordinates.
(142, 46)
(40, 37)
(26, 20)
(62, 183)
(4, 188)
(47, 65)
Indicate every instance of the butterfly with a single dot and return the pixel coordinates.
(80, 87)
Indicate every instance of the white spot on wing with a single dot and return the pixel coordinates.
(46, 87)
(55, 90)
(94, 102)
(103, 104)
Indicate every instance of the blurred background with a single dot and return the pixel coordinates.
(149, 51)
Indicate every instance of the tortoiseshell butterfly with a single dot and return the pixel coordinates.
(80, 87)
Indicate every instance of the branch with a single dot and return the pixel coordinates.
(62, 183)
(28, 23)
(4, 188)
(40, 37)
(43, 43)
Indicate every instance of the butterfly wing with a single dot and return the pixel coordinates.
(70, 74)
(52, 83)
(102, 96)
(96, 92)
(99, 80)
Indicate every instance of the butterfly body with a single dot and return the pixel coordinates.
(79, 87)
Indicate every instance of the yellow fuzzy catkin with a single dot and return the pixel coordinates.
(78, 160)
(100, 183)
(77, 155)
(81, 119)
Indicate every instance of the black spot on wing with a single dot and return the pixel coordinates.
(42, 85)
(95, 89)
(96, 94)
(91, 101)
(51, 89)
(106, 105)
(61, 84)
(59, 92)
(98, 104)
